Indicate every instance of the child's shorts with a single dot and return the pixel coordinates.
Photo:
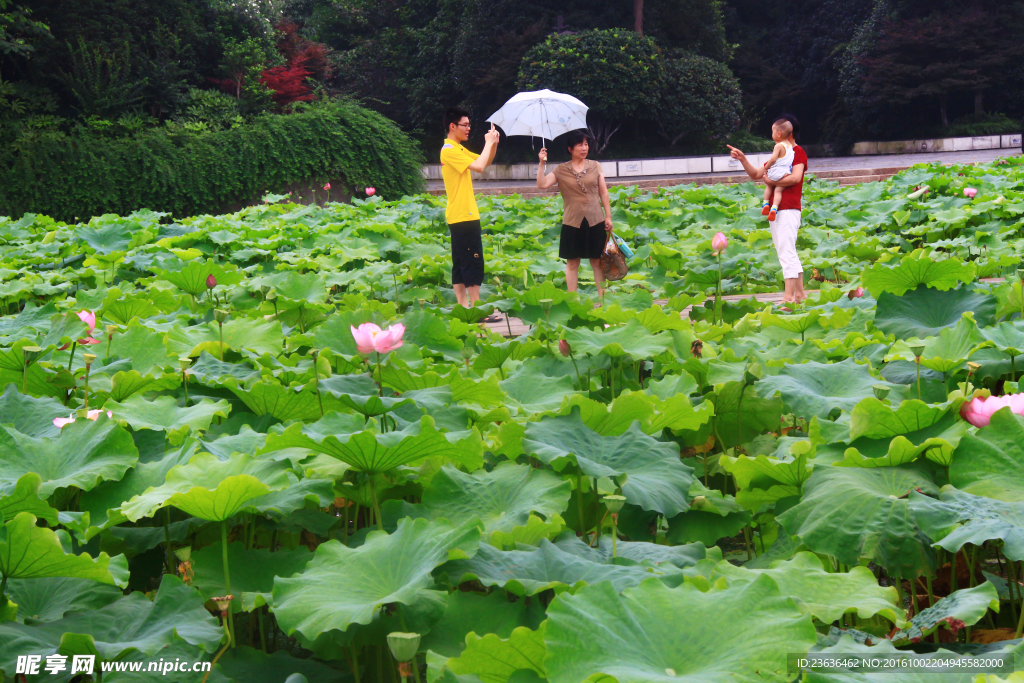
(776, 172)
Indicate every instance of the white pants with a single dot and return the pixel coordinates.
(784, 229)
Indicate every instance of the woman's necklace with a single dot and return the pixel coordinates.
(579, 174)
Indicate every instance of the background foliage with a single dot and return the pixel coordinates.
(181, 172)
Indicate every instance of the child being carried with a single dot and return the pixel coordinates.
(779, 165)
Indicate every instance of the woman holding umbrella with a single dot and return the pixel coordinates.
(585, 227)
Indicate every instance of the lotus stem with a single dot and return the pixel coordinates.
(74, 345)
(615, 534)
(380, 377)
(227, 578)
(572, 357)
(1020, 622)
(263, 634)
(579, 499)
(376, 505)
(167, 540)
(899, 590)
(355, 663)
(718, 290)
(919, 378)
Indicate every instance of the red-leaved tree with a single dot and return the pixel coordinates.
(304, 60)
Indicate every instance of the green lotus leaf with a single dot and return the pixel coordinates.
(657, 480)
(1007, 337)
(250, 665)
(86, 453)
(478, 613)
(741, 413)
(815, 389)
(494, 659)
(131, 623)
(105, 239)
(145, 348)
(680, 556)
(213, 372)
(713, 516)
(529, 572)
(654, 634)
(163, 414)
(914, 270)
(825, 595)
(103, 503)
(871, 518)
(945, 353)
(495, 355)
(25, 498)
(281, 402)
(252, 571)
(122, 309)
(925, 312)
(192, 278)
(654, 413)
(376, 453)
(501, 499)
(763, 471)
(959, 518)
(343, 586)
(883, 436)
(307, 287)
(124, 384)
(631, 340)
(210, 488)
(51, 598)
(529, 389)
(29, 415)
(991, 462)
(259, 336)
(31, 552)
(792, 323)
(359, 393)
(429, 331)
(968, 605)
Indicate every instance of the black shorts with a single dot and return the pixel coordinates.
(467, 253)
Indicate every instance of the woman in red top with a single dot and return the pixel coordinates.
(787, 221)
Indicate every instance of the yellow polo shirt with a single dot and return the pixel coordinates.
(458, 185)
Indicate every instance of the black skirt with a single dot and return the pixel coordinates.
(586, 241)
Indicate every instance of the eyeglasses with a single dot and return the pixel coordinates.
(464, 125)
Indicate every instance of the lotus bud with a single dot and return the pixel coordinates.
(855, 293)
(621, 479)
(327, 186)
(185, 363)
(403, 646)
(564, 348)
(211, 281)
(969, 192)
(264, 289)
(614, 503)
(220, 315)
(272, 295)
(719, 242)
(917, 350)
(89, 358)
(467, 352)
(370, 191)
(31, 353)
(698, 502)
(881, 391)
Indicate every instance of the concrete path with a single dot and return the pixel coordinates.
(846, 170)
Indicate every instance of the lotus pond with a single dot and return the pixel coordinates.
(197, 462)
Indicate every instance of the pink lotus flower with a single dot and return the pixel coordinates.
(211, 281)
(970, 192)
(327, 186)
(61, 422)
(719, 242)
(370, 191)
(564, 348)
(89, 318)
(980, 410)
(370, 338)
(855, 293)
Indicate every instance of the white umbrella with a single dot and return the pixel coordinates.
(544, 114)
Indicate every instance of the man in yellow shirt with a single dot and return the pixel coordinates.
(461, 214)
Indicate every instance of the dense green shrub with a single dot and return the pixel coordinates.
(701, 99)
(617, 73)
(185, 173)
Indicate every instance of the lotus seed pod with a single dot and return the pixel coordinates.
(89, 358)
(403, 645)
(31, 353)
(545, 304)
(614, 503)
(184, 554)
(881, 391)
(271, 295)
(220, 315)
(974, 367)
(185, 362)
(917, 350)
